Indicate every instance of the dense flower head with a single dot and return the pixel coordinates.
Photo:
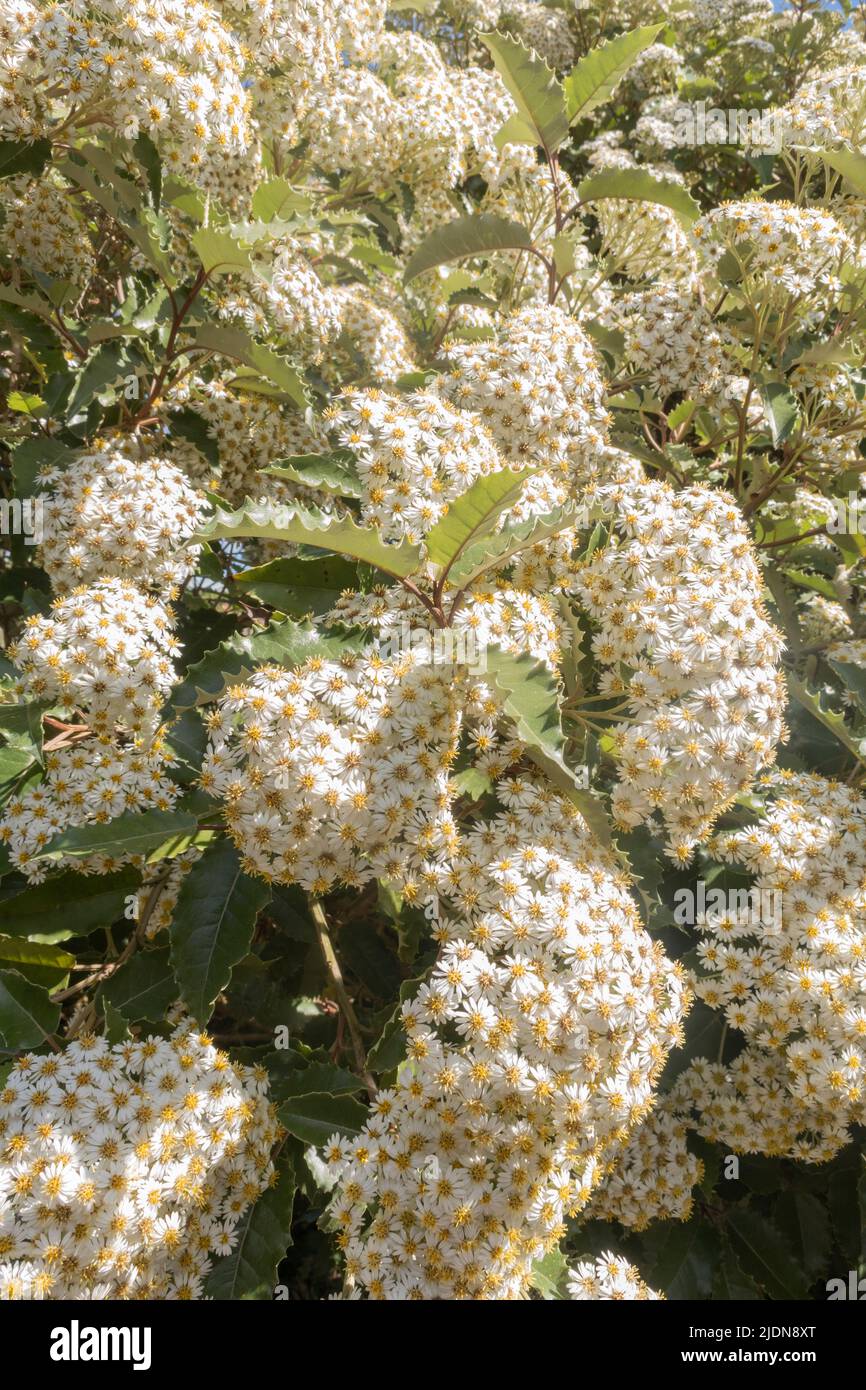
(654, 1177)
(790, 250)
(116, 512)
(172, 69)
(41, 231)
(532, 1051)
(414, 455)
(682, 631)
(125, 1169)
(537, 387)
(90, 782)
(794, 984)
(106, 651)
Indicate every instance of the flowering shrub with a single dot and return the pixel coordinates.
(433, 674)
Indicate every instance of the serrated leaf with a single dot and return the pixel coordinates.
(40, 963)
(144, 989)
(115, 199)
(135, 833)
(283, 643)
(480, 234)
(27, 1015)
(829, 718)
(474, 514)
(234, 343)
(496, 550)
(531, 700)
(314, 1118)
(279, 522)
(764, 1255)
(212, 925)
(853, 678)
(731, 1284)
(593, 80)
(219, 252)
(805, 1222)
(275, 198)
(539, 98)
(298, 587)
(781, 410)
(101, 370)
(334, 473)
(637, 185)
(23, 157)
(263, 1235)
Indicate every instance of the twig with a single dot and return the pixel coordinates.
(338, 985)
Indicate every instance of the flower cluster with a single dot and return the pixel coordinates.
(112, 513)
(125, 1169)
(414, 454)
(105, 650)
(796, 987)
(655, 1175)
(532, 1052)
(791, 251)
(688, 647)
(42, 232)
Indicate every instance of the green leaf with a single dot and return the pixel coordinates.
(101, 370)
(637, 185)
(592, 81)
(541, 116)
(853, 678)
(41, 964)
(334, 473)
(275, 521)
(298, 587)
(27, 1015)
(219, 252)
(116, 1028)
(234, 343)
(731, 1285)
(33, 454)
(805, 1222)
(135, 833)
(291, 1077)
(685, 1258)
(23, 157)
(850, 164)
(264, 1234)
(531, 701)
(548, 1275)
(70, 904)
(478, 235)
(122, 201)
(212, 926)
(764, 1255)
(474, 514)
(276, 198)
(142, 990)
(780, 409)
(282, 643)
(313, 1119)
(829, 718)
(494, 551)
